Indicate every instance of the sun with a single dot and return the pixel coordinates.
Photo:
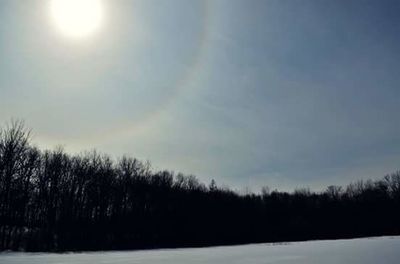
(77, 18)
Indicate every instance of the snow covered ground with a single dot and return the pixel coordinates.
(383, 250)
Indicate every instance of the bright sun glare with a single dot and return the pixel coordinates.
(77, 18)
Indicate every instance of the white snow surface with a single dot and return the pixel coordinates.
(382, 250)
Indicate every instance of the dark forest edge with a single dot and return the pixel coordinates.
(53, 201)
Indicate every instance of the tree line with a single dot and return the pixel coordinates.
(54, 201)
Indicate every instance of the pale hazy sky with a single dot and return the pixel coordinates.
(285, 93)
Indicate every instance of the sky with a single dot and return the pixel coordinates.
(281, 93)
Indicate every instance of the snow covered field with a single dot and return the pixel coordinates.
(384, 250)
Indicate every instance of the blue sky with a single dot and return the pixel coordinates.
(250, 93)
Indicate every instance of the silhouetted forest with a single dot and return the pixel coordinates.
(53, 201)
